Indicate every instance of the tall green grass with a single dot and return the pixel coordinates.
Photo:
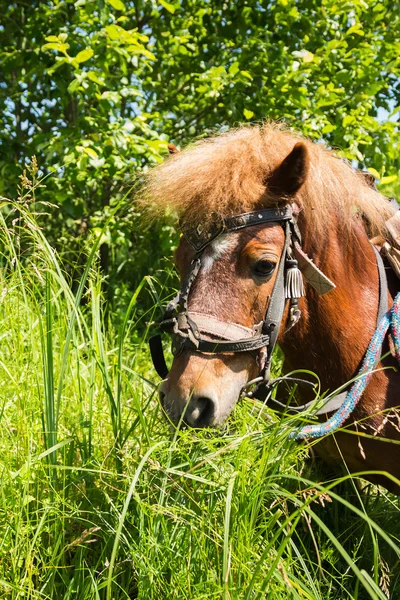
(99, 501)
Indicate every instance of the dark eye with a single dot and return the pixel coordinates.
(264, 267)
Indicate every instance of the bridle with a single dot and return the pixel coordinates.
(188, 329)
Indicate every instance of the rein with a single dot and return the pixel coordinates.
(349, 400)
(188, 329)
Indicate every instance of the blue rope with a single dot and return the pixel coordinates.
(390, 320)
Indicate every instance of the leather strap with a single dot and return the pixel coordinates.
(186, 328)
(273, 317)
(157, 356)
(311, 272)
(216, 347)
(199, 238)
(383, 286)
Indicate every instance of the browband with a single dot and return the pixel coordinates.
(200, 237)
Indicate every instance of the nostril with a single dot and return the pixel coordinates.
(200, 411)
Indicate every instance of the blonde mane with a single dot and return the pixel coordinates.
(226, 175)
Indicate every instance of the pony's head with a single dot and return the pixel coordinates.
(229, 294)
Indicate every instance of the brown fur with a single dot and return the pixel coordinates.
(227, 174)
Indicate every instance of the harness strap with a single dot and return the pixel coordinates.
(186, 332)
(383, 286)
(273, 317)
(214, 346)
(199, 238)
(157, 356)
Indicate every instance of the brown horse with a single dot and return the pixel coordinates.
(254, 168)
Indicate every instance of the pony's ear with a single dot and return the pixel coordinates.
(290, 175)
(172, 149)
(369, 179)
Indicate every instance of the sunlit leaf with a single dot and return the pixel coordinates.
(84, 55)
(117, 4)
(308, 57)
(94, 77)
(168, 6)
(388, 179)
(248, 114)
(234, 68)
(357, 29)
(374, 172)
(348, 120)
(115, 32)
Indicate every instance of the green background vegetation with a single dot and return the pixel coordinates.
(97, 499)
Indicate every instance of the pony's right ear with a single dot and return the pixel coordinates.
(290, 175)
(172, 149)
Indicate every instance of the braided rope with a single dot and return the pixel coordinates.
(391, 320)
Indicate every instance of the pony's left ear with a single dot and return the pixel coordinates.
(290, 175)
(172, 149)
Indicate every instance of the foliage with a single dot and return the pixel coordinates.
(97, 500)
(96, 88)
(100, 501)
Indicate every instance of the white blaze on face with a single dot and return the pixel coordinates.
(216, 249)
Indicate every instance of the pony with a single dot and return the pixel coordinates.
(261, 167)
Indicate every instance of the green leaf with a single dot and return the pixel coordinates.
(139, 49)
(388, 179)
(305, 55)
(395, 111)
(357, 29)
(90, 152)
(348, 120)
(308, 57)
(247, 75)
(84, 55)
(59, 46)
(73, 86)
(117, 4)
(168, 6)
(115, 32)
(374, 172)
(248, 114)
(93, 77)
(329, 127)
(234, 68)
